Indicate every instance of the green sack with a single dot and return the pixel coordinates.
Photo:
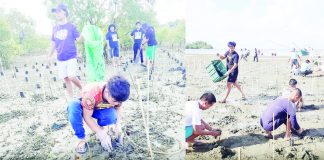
(216, 70)
(304, 52)
(93, 44)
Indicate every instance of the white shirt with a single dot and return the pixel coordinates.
(193, 113)
(294, 55)
(305, 66)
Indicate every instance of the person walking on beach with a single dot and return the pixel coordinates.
(137, 35)
(101, 101)
(255, 58)
(294, 56)
(195, 125)
(113, 44)
(232, 59)
(283, 111)
(64, 36)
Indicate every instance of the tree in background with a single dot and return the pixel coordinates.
(199, 45)
(18, 36)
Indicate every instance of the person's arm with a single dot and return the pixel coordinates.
(87, 115)
(233, 68)
(119, 120)
(199, 130)
(236, 59)
(52, 49)
(299, 58)
(221, 57)
(207, 126)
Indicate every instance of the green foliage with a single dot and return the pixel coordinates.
(18, 36)
(172, 33)
(199, 45)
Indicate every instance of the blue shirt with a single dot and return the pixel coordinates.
(112, 37)
(64, 37)
(137, 35)
(150, 35)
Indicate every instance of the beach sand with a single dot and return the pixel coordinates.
(242, 136)
(36, 127)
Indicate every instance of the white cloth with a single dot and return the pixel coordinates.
(305, 66)
(193, 113)
(67, 68)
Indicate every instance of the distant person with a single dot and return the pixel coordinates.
(151, 42)
(287, 92)
(255, 58)
(64, 36)
(113, 44)
(195, 125)
(294, 56)
(137, 35)
(232, 59)
(99, 106)
(280, 110)
(305, 68)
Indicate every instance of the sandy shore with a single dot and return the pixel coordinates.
(36, 127)
(242, 135)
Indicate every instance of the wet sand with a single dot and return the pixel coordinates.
(36, 127)
(242, 135)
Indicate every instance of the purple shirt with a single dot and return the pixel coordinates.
(280, 107)
(64, 37)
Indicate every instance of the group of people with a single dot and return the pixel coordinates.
(297, 67)
(99, 103)
(281, 111)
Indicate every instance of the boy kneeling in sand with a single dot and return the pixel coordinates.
(283, 111)
(101, 101)
(195, 125)
(287, 92)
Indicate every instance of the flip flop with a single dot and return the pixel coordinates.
(243, 98)
(83, 149)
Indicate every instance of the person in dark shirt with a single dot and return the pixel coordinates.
(137, 35)
(150, 39)
(113, 44)
(232, 59)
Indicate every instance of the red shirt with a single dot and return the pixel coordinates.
(92, 96)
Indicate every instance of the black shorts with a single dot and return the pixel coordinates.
(232, 77)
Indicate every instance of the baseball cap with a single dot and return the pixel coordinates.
(60, 7)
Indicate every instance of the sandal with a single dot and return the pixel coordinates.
(81, 148)
(243, 98)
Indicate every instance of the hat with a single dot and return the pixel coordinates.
(61, 7)
(231, 44)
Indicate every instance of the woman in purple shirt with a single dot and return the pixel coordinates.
(281, 111)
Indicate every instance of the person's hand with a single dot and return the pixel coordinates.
(227, 73)
(49, 61)
(120, 139)
(105, 140)
(216, 133)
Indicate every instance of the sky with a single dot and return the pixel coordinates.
(36, 10)
(264, 24)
